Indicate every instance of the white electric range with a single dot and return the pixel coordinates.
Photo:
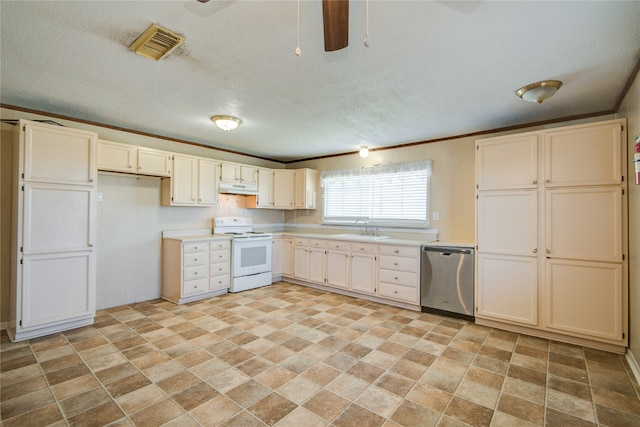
(250, 250)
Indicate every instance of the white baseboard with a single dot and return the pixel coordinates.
(633, 363)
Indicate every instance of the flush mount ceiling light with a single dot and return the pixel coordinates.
(226, 123)
(539, 91)
(364, 151)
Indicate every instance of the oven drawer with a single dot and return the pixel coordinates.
(218, 269)
(399, 292)
(195, 247)
(220, 256)
(194, 258)
(399, 263)
(219, 282)
(197, 272)
(220, 244)
(195, 286)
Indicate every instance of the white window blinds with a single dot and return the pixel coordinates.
(396, 194)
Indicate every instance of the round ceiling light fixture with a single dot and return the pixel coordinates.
(364, 151)
(539, 91)
(226, 123)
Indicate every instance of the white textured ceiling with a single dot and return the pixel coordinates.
(433, 69)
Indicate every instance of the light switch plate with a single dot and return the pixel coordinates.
(436, 215)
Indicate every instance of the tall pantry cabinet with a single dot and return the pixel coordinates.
(551, 227)
(54, 229)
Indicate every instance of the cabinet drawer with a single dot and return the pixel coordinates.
(219, 268)
(219, 256)
(220, 244)
(338, 246)
(364, 248)
(391, 262)
(197, 272)
(400, 250)
(194, 258)
(220, 282)
(195, 286)
(317, 243)
(403, 293)
(399, 277)
(301, 242)
(195, 247)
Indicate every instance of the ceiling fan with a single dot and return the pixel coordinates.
(335, 15)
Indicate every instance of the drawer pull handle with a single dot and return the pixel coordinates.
(395, 278)
(395, 263)
(396, 251)
(195, 259)
(395, 292)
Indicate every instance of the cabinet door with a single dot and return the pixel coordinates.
(276, 257)
(283, 183)
(508, 222)
(317, 265)
(287, 257)
(585, 298)
(301, 262)
(248, 174)
(584, 155)
(508, 162)
(57, 288)
(363, 273)
(57, 218)
(265, 188)
(113, 156)
(229, 172)
(305, 188)
(58, 154)
(184, 182)
(338, 269)
(154, 162)
(507, 288)
(207, 182)
(584, 223)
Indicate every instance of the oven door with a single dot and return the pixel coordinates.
(251, 256)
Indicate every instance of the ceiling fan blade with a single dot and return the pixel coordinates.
(335, 14)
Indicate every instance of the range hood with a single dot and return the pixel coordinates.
(231, 188)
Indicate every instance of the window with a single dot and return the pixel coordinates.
(396, 194)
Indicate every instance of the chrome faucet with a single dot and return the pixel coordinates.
(365, 230)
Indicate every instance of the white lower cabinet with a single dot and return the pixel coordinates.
(276, 258)
(399, 276)
(364, 266)
(195, 268)
(287, 257)
(338, 264)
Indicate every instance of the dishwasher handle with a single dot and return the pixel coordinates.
(448, 250)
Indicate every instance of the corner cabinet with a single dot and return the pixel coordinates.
(194, 268)
(551, 230)
(53, 260)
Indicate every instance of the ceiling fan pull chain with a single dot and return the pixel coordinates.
(298, 51)
(366, 19)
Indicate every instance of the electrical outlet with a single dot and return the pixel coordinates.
(436, 215)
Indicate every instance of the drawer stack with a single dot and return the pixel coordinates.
(195, 268)
(399, 273)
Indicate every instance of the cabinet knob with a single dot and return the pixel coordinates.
(548, 181)
(90, 245)
(395, 278)
(535, 251)
(396, 251)
(548, 251)
(395, 263)
(139, 168)
(90, 179)
(195, 273)
(130, 166)
(535, 182)
(195, 259)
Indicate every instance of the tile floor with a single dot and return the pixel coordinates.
(287, 355)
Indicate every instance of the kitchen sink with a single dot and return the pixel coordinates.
(361, 237)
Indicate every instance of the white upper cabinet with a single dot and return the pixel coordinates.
(117, 157)
(509, 162)
(208, 182)
(58, 154)
(237, 173)
(306, 181)
(283, 184)
(184, 182)
(153, 162)
(584, 155)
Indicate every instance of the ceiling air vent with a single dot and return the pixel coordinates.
(156, 42)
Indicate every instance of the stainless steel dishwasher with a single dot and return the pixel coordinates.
(446, 281)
